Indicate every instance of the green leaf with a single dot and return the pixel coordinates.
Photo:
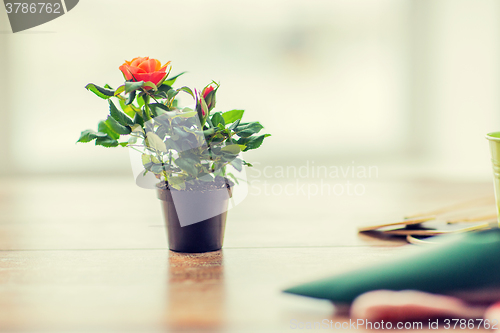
(158, 108)
(119, 115)
(104, 127)
(218, 119)
(161, 131)
(237, 164)
(99, 91)
(140, 101)
(155, 142)
(187, 165)
(232, 149)
(163, 90)
(232, 116)
(155, 112)
(150, 85)
(169, 115)
(171, 80)
(138, 129)
(154, 159)
(89, 135)
(252, 142)
(207, 177)
(130, 110)
(245, 130)
(131, 86)
(130, 98)
(146, 158)
(119, 90)
(138, 119)
(234, 125)
(106, 142)
(173, 114)
(145, 116)
(151, 163)
(132, 140)
(188, 90)
(209, 132)
(107, 86)
(171, 94)
(156, 168)
(117, 127)
(178, 182)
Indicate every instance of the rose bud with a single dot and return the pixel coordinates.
(208, 94)
(144, 69)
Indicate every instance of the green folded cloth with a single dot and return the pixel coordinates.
(460, 263)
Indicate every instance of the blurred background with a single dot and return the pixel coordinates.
(410, 86)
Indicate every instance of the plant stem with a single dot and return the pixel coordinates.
(146, 106)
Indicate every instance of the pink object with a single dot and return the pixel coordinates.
(409, 304)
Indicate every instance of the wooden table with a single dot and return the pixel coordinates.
(90, 254)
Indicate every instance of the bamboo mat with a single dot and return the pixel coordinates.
(472, 215)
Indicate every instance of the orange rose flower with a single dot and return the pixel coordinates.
(144, 69)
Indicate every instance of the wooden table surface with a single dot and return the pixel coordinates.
(90, 255)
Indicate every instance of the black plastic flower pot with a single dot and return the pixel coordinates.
(204, 235)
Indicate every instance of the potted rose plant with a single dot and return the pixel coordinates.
(193, 152)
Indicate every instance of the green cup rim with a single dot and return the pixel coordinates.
(490, 136)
